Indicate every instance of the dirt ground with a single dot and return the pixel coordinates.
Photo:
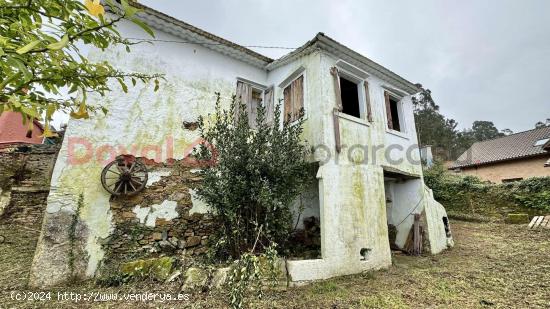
(492, 265)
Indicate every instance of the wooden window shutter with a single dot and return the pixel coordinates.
(244, 96)
(238, 99)
(269, 106)
(367, 100)
(388, 109)
(337, 92)
(297, 97)
(252, 108)
(288, 103)
(337, 108)
(294, 99)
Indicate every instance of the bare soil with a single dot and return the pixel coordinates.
(492, 265)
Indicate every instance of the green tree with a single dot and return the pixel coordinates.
(40, 58)
(463, 140)
(484, 130)
(432, 127)
(254, 175)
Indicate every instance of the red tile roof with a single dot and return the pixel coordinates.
(511, 147)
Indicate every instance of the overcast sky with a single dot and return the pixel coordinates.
(483, 60)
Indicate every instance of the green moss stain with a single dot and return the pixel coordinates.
(358, 200)
(159, 268)
(135, 120)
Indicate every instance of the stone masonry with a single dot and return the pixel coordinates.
(158, 221)
(25, 172)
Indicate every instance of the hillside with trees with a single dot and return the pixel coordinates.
(440, 132)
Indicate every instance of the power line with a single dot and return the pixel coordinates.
(198, 43)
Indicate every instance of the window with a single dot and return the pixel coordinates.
(352, 93)
(349, 92)
(541, 142)
(294, 99)
(511, 179)
(394, 113)
(252, 96)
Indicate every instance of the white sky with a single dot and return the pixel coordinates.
(482, 59)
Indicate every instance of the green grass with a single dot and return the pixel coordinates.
(497, 265)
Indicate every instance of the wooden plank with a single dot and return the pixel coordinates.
(367, 99)
(388, 109)
(417, 238)
(336, 130)
(539, 221)
(545, 223)
(535, 218)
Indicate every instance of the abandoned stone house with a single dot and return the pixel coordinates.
(358, 115)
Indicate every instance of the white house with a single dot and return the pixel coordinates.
(359, 118)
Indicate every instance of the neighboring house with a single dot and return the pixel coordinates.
(359, 116)
(13, 131)
(509, 158)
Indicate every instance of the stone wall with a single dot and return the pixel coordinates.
(159, 221)
(25, 173)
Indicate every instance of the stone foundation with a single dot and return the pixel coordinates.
(25, 172)
(158, 221)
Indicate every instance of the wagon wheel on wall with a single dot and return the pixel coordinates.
(124, 176)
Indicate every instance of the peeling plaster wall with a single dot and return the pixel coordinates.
(351, 186)
(408, 199)
(141, 122)
(149, 215)
(351, 191)
(436, 230)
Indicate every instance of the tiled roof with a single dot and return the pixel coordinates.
(511, 147)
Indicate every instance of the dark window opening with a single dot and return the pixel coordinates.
(394, 109)
(350, 98)
(512, 179)
(305, 239)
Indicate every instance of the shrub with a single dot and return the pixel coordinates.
(536, 200)
(470, 195)
(255, 175)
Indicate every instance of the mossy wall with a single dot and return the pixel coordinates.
(141, 122)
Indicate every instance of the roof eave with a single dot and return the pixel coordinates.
(327, 44)
(178, 28)
(497, 161)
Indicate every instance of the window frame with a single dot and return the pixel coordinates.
(510, 180)
(541, 142)
(403, 125)
(255, 87)
(361, 95)
(300, 72)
